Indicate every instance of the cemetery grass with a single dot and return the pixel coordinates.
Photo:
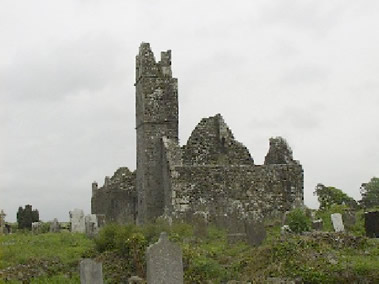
(207, 256)
(48, 257)
(314, 258)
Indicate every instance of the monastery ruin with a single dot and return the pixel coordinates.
(212, 175)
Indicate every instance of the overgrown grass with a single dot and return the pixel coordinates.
(315, 258)
(54, 254)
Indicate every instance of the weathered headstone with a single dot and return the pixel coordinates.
(77, 221)
(372, 224)
(2, 222)
(54, 226)
(200, 223)
(91, 225)
(337, 222)
(91, 272)
(164, 262)
(317, 225)
(349, 218)
(36, 227)
(255, 232)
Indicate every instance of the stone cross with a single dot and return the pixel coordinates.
(77, 221)
(164, 262)
(337, 222)
(91, 272)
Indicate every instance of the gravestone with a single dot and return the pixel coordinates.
(255, 232)
(372, 224)
(77, 221)
(36, 227)
(2, 222)
(54, 226)
(91, 225)
(200, 223)
(337, 222)
(91, 272)
(348, 218)
(164, 262)
(317, 225)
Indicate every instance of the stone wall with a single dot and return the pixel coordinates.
(117, 199)
(250, 192)
(213, 143)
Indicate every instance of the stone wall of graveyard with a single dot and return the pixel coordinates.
(117, 198)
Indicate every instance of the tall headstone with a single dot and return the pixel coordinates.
(91, 272)
(2, 222)
(372, 224)
(77, 221)
(54, 226)
(91, 225)
(337, 222)
(164, 262)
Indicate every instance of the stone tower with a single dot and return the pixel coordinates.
(156, 117)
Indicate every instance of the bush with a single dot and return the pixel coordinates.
(298, 221)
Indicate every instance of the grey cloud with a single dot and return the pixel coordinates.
(317, 17)
(306, 74)
(88, 63)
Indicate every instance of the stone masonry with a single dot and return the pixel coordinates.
(212, 174)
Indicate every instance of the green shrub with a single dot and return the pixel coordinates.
(298, 221)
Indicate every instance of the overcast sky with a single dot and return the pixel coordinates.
(304, 70)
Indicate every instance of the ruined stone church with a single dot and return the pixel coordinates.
(212, 174)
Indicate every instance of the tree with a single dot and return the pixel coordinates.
(329, 195)
(370, 193)
(25, 217)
